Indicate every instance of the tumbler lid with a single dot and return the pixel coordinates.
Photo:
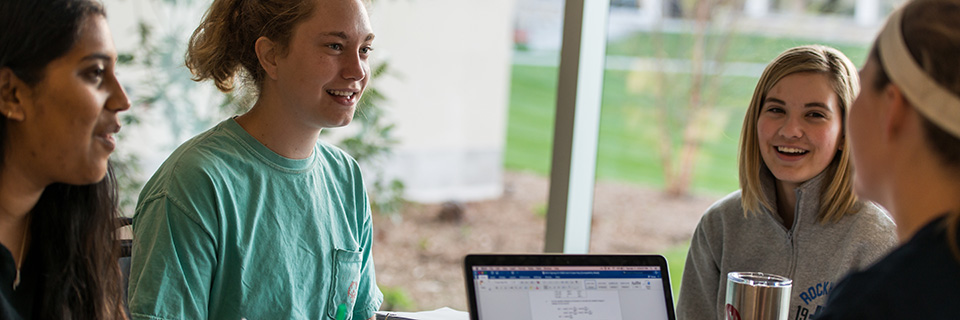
(760, 279)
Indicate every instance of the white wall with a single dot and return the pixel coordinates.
(448, 92)
(448, 88)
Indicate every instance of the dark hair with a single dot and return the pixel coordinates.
(931, 30)
(224, 42)
(72, 228)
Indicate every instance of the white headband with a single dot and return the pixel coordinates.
(937, 104)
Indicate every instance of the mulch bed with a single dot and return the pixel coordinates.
(420, 250)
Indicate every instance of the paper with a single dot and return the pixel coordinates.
(439, 314)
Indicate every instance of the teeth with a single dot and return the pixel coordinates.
(340, 93)
(790, 150)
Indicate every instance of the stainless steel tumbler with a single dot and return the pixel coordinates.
(757, 296)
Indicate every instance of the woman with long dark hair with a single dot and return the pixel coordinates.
(59, 101)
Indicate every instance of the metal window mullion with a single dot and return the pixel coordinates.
(577, 126)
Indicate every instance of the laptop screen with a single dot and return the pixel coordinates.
(569, 292)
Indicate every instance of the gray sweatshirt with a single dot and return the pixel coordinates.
(814, 255)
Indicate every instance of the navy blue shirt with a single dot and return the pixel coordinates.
(919, 280)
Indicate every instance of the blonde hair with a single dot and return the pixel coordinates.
(837, 196)
(223, 44)
(931, 30)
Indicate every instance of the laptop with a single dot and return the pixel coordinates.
(568, 287)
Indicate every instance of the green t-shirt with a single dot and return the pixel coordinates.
(228, 229)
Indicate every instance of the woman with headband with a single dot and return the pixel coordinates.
(905, 135)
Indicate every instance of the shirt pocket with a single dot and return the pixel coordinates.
(346, 280)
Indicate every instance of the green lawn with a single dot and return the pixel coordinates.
(742, 47)
(676, 258)
(628, 145)
(629, 140)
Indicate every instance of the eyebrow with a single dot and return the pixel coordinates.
(808, 105)
(816, 104)
(343, 35)
(97, 56)
(773, 100)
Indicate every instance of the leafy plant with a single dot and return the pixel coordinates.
(167, 104)
(372, 143)
(396, 299)
(540, 210)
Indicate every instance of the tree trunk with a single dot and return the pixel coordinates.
(679, 172)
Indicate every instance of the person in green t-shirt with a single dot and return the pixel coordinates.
(256, 218)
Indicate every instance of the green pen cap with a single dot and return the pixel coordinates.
(342, 312)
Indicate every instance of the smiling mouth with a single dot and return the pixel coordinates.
(107, 140)
(106, 135)
(343, 94)
(791, 151)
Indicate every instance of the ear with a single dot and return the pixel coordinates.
(896, 113)
(267, 54)
(12, 90)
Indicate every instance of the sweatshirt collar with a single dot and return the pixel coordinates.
(808, 195)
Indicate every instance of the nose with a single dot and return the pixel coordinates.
(118, 100)
(792, 127)
(354, 67)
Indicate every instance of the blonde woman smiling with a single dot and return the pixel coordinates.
(796, 214)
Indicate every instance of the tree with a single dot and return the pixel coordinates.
(687, 127)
